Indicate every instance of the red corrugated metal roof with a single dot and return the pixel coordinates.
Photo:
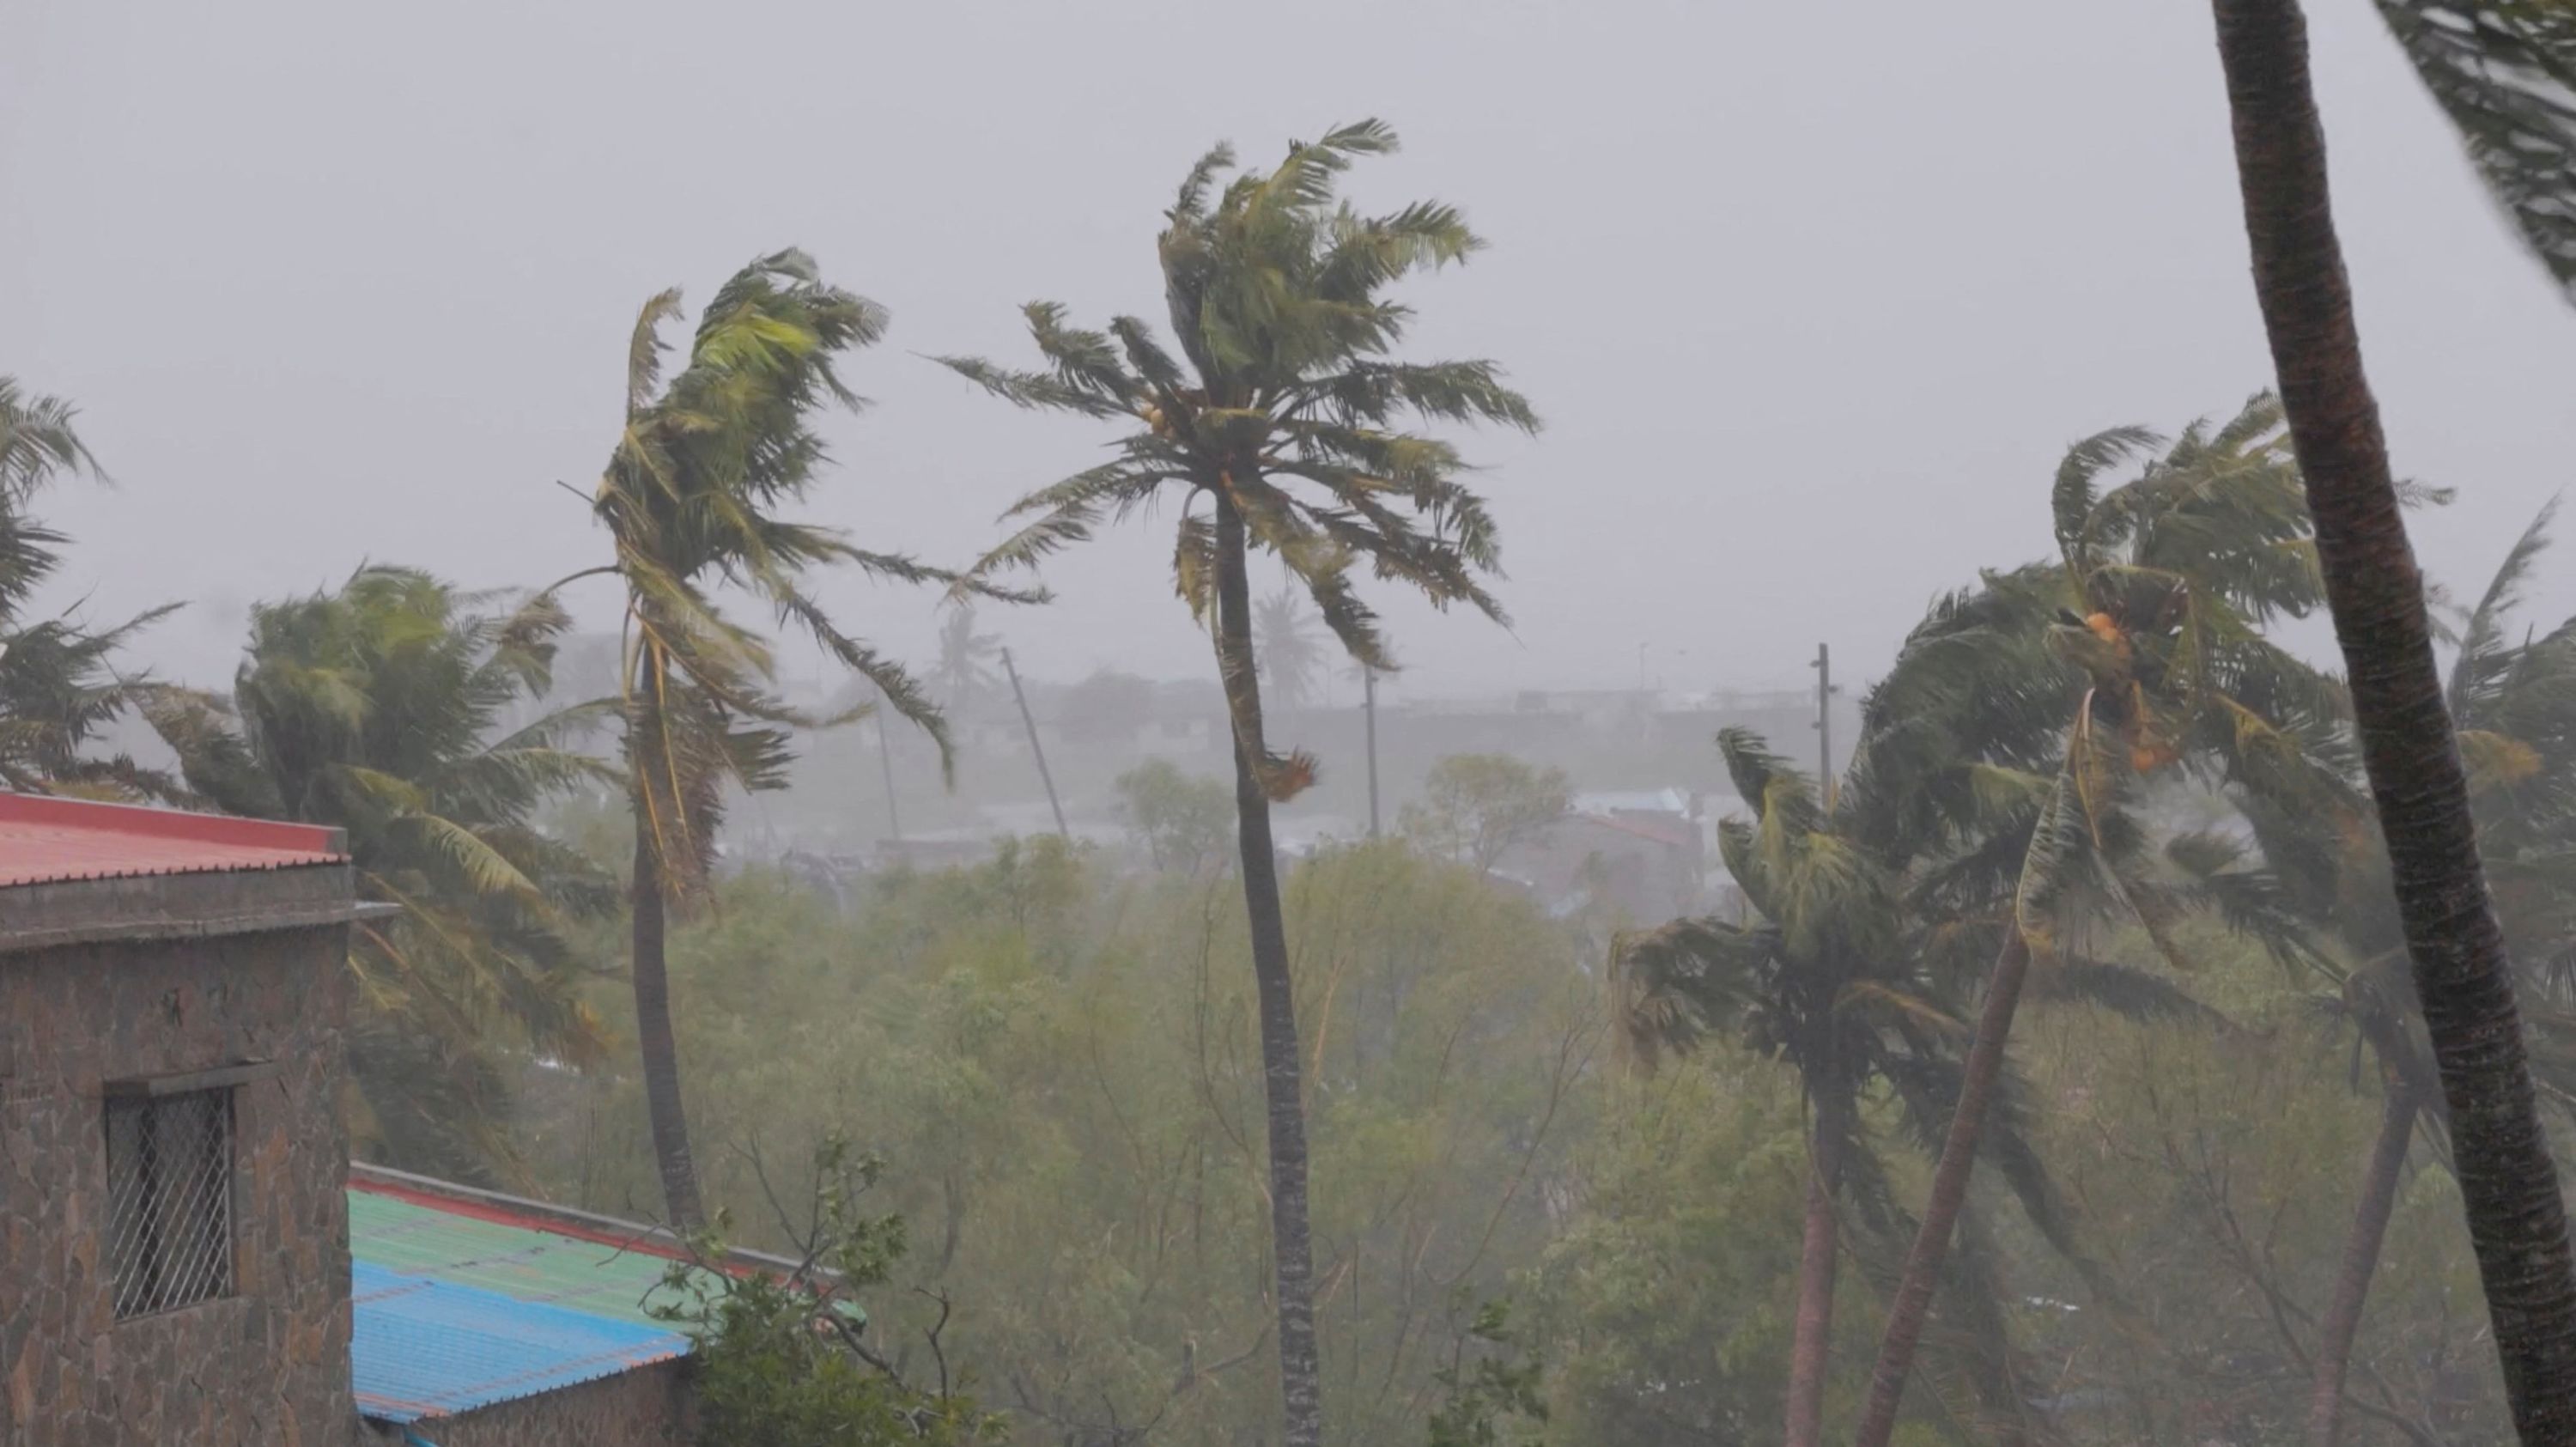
(50, 841)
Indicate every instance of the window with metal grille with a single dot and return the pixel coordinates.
(170, 1200)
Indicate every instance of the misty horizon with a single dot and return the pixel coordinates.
(1805, 358)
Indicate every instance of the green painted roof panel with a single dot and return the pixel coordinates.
(523, 1261)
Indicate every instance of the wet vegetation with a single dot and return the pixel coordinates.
(2155, 1033)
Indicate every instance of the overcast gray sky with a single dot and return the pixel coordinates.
(1810, 296)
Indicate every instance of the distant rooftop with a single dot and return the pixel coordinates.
(46, 840)
(1632, 801)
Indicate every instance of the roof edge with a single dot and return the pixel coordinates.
(505, 1209)
(135, 908)
(172, 823)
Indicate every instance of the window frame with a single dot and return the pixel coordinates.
(177, 1244)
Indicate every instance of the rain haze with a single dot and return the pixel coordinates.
(1809, 300)
(1785, 781)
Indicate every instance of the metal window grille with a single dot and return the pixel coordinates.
(170, 1200)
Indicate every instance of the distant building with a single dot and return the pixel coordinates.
(178, 1212)
(1639, 857)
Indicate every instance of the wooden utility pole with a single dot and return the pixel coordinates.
(1036, 750)
(1368, 705)
(885, 761)
(1824, 667)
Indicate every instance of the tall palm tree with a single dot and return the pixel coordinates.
(690, 500)
(1291, 660)
(2071, 686)
(1276, 425)
(58, 684)
(373, 708)
(2464, 979)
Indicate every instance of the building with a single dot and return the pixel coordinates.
(482, 1320)
(174, 1263)
(177, 1209)
(1628, 857)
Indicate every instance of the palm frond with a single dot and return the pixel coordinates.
(2505, 73)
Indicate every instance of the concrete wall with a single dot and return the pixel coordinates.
(647, 1407)
(267, 1365)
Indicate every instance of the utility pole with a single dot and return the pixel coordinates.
(1035, 751)
(1368, 705)
(1824, 667)
(885, 761)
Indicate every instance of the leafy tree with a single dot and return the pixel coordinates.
(2047, 701)
(1284, 640)
(690, 499)
(58, 686)
(1487, 1393)
(1275, 423)
(1475, 807)
(2501, 70)
(1182, 820)
(372, 708)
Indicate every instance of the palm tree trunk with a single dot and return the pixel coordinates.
(1300, 1371)
(660, 1053)
(2360, 1260)
(1923, 1261)
(2508, 1183)
(1811, 1337)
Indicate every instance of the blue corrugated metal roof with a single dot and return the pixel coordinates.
(427, 1348)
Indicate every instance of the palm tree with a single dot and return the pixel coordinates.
(1275, 423)
(690, 499)
(2505, 73)
(1291, 660)
(372, 708)
(964, 672)
(1837, 975)
(1821, 981)
(38, 442)
(2515, 705)
(2067, 687)
(2464, 979)
(58, 687)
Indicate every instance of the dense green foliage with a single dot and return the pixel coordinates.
(1057, 1064)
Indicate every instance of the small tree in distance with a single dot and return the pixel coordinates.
(1475, 807)
(1180, 818)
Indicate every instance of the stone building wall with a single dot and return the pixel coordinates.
(645, 1407)
(266, 1365)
